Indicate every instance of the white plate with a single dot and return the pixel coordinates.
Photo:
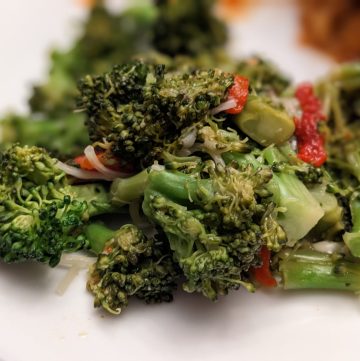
(37, 324)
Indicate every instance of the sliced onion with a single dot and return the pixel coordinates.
(81, 173)
(94, 161)
(67, 280)
(327, 247)
(231, 103)
(189, 139)
(74, 259)
(157, 167)
(75, 263)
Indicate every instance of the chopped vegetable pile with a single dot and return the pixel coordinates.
(232, 176)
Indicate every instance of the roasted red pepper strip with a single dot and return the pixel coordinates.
(239, 92)
(107, 159)
(262, 274)
(83, 162)
(310, 142)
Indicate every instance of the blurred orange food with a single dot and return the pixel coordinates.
(87, 3)
(332, 26)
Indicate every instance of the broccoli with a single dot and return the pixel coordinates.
(41, 213)
(298, 210)
(340, 92)
(187, 27)
(132, 264)
(309, 269)
(62, 138)
(106, 39)
(216, 220)
(264, 76)
(140, 108)
(352, 237)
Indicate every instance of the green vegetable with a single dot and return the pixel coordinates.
(298, 210)
(131, 264)
(216, 223)
(41, 214)
(307, 269)
(63, 137)
(264, 123)
(352, 238)
(141, 108)
(265, 78)
(107, 38)
(187, 27)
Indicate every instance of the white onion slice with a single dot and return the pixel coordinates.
(94, 161)
(81, 173)
(75, 263)
(189, 139)
(231, 103)
(327, 247)
(67, 280)
(75, 259)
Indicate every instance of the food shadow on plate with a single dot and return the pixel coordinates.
(28, 275)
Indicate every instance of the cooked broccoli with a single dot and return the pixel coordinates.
(352, 237)
(187, 27)
(107, 38)
(141, 108)
(216, 222)
(309, 269)
(41, 213)
(264, 76)
(63, 138)
(298, 209)
(131, 264)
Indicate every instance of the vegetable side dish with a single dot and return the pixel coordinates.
(232, 176)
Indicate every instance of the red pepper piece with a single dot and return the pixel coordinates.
(310, 143)
(262, 274)
(239, 92)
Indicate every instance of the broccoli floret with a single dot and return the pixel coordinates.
(131, 264)
(187, 27)
(140, 108)
(216, 222)
(298, 210)
(41, 213)
(63, 138)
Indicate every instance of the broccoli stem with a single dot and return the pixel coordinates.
(96, 196)
(97, 235)
(179, 187)
(308, 269)
(352, 239)
(126, 190)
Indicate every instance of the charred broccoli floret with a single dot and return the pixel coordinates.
(140, 108)
(132, 265)
(41, 213)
